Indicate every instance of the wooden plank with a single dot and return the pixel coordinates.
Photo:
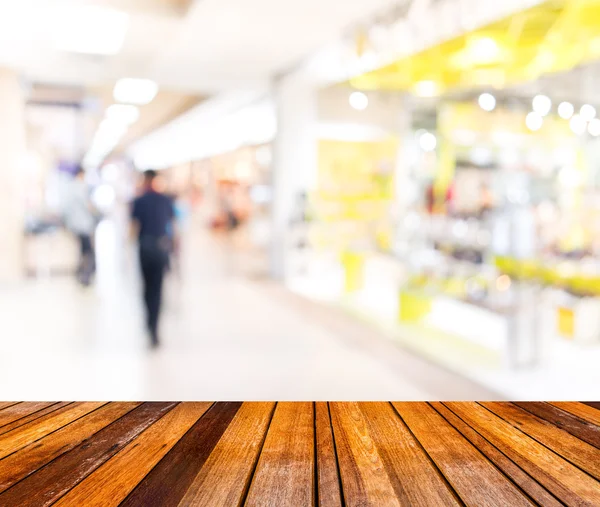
(565, 481)
(6, 404)
(23, 435)
(531, 487)
(562, 443)
(285, 471)
(110, 484)
(225, 477)
(168, 481)
(593, 404)
(471, 475)
(34, 416)
(413, 475)
(50, 483)
(365, 479)
(15, 412)
(581, 410)
(35, 455)
(583, 430)
(328, 480)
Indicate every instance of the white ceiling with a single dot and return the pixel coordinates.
(202, 48)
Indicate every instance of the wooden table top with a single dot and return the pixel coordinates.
(299, 454)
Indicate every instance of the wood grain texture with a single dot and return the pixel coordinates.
(583, 430)
(298, 454)
(415, 478)
(328, 479)
(593, 404)
(180, 466)
(51, 407)
(531, 487)
(33, 456)
(6, 404)
(580, 410)
(12, 413)
(54, 480)
(23, 435)
(225, 477)
(475, 479)
(561, 478)
(110, 484)
(285, 472)
(566, 445)
(364, 476)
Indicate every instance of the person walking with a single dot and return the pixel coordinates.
(81, 221)
(153, 221)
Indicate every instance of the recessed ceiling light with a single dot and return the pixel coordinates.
(89, 29)
(135, 91)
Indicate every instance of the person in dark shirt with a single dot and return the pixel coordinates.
(153, 222)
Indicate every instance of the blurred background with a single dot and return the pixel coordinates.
(378, 199)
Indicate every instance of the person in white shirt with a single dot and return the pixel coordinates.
(80, 219)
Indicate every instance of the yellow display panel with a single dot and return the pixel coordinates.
(551, 37)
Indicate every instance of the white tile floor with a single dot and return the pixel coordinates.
(225, 337)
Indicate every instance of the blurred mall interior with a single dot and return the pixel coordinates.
(415, 186)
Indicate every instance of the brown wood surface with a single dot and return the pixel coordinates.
(565, 481)
(33, 456)
(328, 476)
(469, 472)
(298, 454)
(14, 412)
(23, 435)
(50, 407)
(569, 447)
(525, 482)
(225, 478)
(110, 484)
(580, 410)
(285, 471)
(180, 466)
(403, 457)
(588, 432)
(364, 477)
(54, 480)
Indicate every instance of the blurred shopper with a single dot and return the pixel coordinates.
(154, 225)
(81, 220)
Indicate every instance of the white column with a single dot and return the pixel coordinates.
(12, 155)
(294, 159)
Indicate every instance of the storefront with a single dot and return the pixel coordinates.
(468, 230)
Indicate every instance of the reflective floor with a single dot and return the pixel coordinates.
(227, 334)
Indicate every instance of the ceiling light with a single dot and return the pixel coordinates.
(588, 112)
(578, 125)
(484, 50)
(534, 121)
(427, 141)
(135, 91)
(427, 89)
(542, 105)
(359, 101)
(487, 102)
(123, 113)
(89, 29)
(566, 110)
(594, 127)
